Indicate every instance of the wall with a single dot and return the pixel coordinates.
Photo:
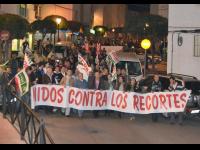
(98, 14)
(10, 8)
(64, 10)
(117, 17)
(159, 9)
(181, 59)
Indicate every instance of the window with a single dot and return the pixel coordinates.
(197, 46)
(22, 10)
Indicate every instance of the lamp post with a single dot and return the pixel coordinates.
(145, 44)
(58, 21)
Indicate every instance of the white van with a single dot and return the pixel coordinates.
(132, 62)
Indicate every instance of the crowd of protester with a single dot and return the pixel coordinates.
(47, 69)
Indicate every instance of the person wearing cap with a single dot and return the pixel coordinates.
(173, 87)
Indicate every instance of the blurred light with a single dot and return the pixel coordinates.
(92, 31)
(101, 29)
(146, 44)
(146, 25)
(58, 20)
(113, 30)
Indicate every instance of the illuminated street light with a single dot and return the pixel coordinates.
(145, 44)
(58, 21)
(100, 29)
(146, 25)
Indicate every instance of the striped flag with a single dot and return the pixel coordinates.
(83, 67)
(114, 58)
(22, 82)
(27, 61)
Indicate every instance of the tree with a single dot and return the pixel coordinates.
(16, 25)
(74, 26)
(43, 26)
(100, 30)
(64, 23)
(153, 27)
(147, 25)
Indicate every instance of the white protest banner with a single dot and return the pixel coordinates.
(48, 95)
(128, 102)
(158, 102)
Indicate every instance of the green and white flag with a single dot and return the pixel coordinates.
(22, 82)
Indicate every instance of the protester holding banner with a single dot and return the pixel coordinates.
(120, 86)
(95, 83)
(174, 86)
(67, 80)
(57, 76)
(132, 86)
(47, 78)
(82, 84)
(156, 87)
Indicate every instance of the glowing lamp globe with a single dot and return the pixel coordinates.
(146, 44)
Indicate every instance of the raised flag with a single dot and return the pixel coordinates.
(114, 58)
(83, 67)
(22, 82)
(27, 61)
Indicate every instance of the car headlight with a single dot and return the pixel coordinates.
(195, 98)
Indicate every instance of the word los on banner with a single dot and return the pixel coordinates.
(58, 96)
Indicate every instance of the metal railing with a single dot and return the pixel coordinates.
(31, 129)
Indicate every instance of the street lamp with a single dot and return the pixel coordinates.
(145, 44)
(58, 21)
(146, 25)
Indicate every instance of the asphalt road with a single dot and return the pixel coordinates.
(112, 130)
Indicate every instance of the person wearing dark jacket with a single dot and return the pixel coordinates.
(40, 73)
(120, 86)
(57, 76)
(173, 87)
(47, 78)
(132, 86)
(96, 83)
(156, 87)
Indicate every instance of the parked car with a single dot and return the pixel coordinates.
(191, 83)
(141, 55)
(132, 62)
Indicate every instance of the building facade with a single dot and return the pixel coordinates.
(100, 14)
(159, 9)
(183, 40)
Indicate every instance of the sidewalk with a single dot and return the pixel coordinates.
(8, 134)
